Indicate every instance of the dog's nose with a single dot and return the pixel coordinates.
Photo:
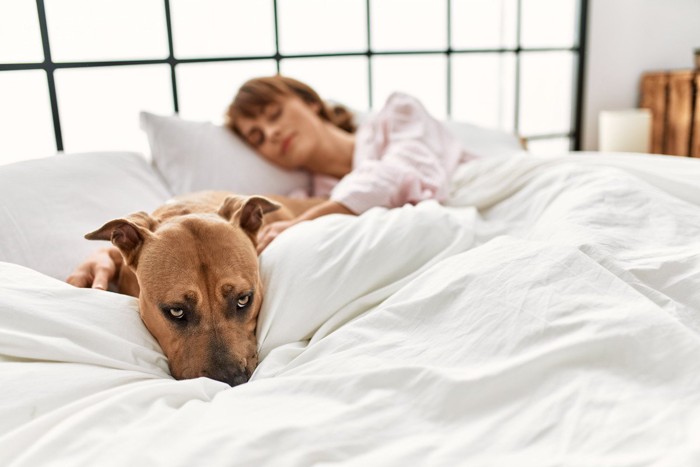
(230, 377)
(237, 379)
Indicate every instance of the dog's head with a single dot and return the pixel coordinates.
(200, 289)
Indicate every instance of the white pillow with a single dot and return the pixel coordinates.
(48, 205)
(485, 142)
(193, 156)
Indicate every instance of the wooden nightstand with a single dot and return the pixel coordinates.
(674, 100)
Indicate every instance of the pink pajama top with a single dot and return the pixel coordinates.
(402, 155)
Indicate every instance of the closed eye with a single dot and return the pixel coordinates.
(256, 138)
(276, 113)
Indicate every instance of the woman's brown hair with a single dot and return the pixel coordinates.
(255, 94)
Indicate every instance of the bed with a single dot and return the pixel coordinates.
(548, 314)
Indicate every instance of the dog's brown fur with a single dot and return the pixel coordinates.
(197, 255)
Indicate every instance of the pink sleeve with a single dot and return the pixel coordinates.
(403, 156)
(321, 186)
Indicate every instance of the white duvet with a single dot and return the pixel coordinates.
(550, 316)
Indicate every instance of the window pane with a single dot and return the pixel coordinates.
(484, 24)
(85, 30)
(422, 76)
(315, 26)
(409, 24)
(546, 91)
(205, 90)
(99, 107)
(549, 23)
(549, 147)
(20, 38)
(222, 28)
(341, 79)
(483, 89)
(26, 125)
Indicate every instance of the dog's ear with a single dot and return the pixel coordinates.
(127, 234)
(247, 212)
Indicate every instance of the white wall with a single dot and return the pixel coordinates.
(627, 38)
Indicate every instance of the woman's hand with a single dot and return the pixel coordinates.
(270, 231)
(97, 270)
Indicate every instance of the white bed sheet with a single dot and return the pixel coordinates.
(557, 325)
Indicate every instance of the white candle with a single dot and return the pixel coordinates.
(625, 130)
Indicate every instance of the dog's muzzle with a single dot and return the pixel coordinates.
(232, 377)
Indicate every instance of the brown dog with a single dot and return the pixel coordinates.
(193, 265)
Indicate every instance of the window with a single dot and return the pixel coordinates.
(205, 89)
(75, 73)
(26, 128)
(89, 30)
(99, 106)
(330, 76)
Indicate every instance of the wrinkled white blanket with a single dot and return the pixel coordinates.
(549, 316)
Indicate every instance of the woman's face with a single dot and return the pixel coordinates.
(286, 132)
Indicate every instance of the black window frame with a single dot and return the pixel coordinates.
(574, 136)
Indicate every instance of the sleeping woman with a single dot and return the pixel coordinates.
(399, 155)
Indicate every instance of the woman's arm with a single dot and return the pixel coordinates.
(98, 269)
(404, 155)
(270, 231)
(323, 209)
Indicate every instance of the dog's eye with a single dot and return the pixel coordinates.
(177, 313)
(244, 300)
